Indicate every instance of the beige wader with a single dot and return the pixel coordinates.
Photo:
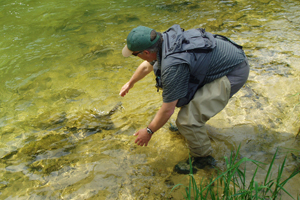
(207, 102)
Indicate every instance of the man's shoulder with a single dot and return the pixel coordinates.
(176, 71)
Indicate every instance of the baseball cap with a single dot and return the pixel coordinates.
(138, 40)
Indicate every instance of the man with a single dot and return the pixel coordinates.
(198, 72)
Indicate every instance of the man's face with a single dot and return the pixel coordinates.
(146, 55)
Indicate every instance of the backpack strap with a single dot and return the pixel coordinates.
(227, 39)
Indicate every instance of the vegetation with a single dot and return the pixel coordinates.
(231, 184)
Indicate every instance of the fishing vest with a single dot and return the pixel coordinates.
(189, 47)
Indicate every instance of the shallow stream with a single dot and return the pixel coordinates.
(65, 133)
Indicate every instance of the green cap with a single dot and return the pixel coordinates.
(138, 39)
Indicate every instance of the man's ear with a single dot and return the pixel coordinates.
(146, 52)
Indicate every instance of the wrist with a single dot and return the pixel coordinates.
(130, 83)
(149, 131)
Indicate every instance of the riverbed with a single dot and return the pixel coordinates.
(67, 134)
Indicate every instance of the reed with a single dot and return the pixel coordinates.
(232, 185)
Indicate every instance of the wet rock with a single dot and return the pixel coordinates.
(49, 142)
(47, 166)
(49, 119)
(43, 155)
(37, 149)
(51, 152)
(8, 130)
(9, 155)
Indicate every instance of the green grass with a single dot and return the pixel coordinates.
(232, 184)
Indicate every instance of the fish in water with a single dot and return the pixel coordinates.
(92, 120)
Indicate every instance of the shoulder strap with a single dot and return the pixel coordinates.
(227, 39)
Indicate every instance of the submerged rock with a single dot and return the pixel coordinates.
(52, 151)
(48, 119)
(87, 120)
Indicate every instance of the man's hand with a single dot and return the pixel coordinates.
(161, 117)
(143, 69)
(125, 89)
(143, 137)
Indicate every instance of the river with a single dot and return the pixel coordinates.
(61, 70)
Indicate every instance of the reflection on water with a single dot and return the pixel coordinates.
(64, 134)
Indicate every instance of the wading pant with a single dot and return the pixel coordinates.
(207, 102)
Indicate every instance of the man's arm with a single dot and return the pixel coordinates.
(143, 69)
(175, 82)
(161, 117)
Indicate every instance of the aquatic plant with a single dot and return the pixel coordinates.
(232, 184)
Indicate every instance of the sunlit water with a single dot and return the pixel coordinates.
(61, 70)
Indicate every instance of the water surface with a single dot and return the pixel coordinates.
(61, 70)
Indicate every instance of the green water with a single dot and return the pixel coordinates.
(61, 70)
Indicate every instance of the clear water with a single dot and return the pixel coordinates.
(61, 70)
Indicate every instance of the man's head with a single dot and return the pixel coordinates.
(140, 39)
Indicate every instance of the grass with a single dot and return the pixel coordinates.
(232, 185)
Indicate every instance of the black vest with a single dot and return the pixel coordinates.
(190, 47)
